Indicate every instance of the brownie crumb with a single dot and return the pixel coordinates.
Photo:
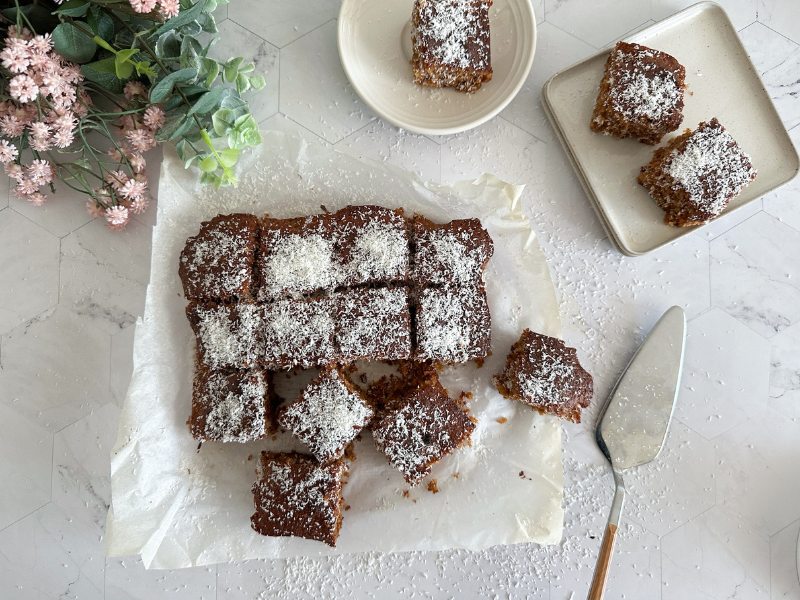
(501, 420)
(433, 486)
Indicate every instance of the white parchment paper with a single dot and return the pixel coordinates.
(178, 507)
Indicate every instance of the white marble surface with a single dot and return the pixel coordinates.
(716, 517)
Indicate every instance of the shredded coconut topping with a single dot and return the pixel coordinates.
(452, 254)
(452, 325)
(711, 168)
(380, 252)
(236, 415)
(229, 335)
(328, 416)
(374, 323)
(298, 333)
(449, 28)
(637, 95)
(299, 264)
(550, 379)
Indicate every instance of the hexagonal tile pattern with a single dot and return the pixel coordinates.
(127, 579)
(726, 367)
(27, 451)
(279, 22)
(48, 555)
(596, 22)
(235, 40)
(677, 486)
(383, 142)
(783, 87)
(783, 17)
(63, 213)
(741, 12)
(29, 273)
(104, 273)
(555, 50)
(784, 377)
(757, 469)
(766, 47)
(716, 555)
(754, 275)
(45, 378)
(783, 551)
(314, 89)
(284, 124)
(784, 203)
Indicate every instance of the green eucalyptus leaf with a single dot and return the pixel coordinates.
(144, 68)
(209, 101)
(184, 17)
(229, 157)
(168, 46)
(103, 73)
(231, 69)
(211, 68)
(73, 8)
(258, 82)
(161, 90)
(222, 121)
(101, 23)
(208, 164)
(123, 64)
(207, 22)
(242, 83)
(71, 43)
(183, 129)
(247, 69)
(181, 149)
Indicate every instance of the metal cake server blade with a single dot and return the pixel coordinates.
(634, 422)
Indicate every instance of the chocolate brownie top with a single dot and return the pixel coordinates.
(230, 407)
(453, 33)
(373, 323)
(228, 336)
(450, 253)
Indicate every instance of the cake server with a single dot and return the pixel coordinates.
(634, 422)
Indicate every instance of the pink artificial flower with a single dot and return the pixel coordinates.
(14, 171)
(135, 88)
(39, 129)
(94, 209)
(41, 44)
(143, 6)
(114, 154)
(139, 205)
(154, 117)
(81, 107)
(170, 8)
(37, 198)
(23, 34)
(62, 138)
(116, 179)
(142, 140)
(8, 152)
(64, 97)
(23, 88)
(40, 171)
(133, 189)
(117, 216)
(39, 136)
(16, 59)
(137, 162)
(26, 187)
(11, 126)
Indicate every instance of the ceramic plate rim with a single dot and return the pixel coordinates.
(466, 126)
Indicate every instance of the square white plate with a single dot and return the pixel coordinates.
(721, 82)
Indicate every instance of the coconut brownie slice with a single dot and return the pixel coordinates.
(296, 496)
(453, 325)
(217, 263)
(230, 406)
(372, 245)
(421, 427)
(328, 416)
(641, 94)
(228, 335)
(373, 324)
(298, 256)
(544, 373)
(451, 43)
(298, 333)
(454, 253)
(696, 175)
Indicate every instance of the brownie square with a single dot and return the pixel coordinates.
(299, 333)
(298, 256)
(328, 416)
(373, 324)
(453, 253)
(451, 43)
(228, 335)
(296, 496)
(641, 94)
(218, 263)
(696, 175)
(230, 406)
(421, 427)
(544, 373)
(373, 244)
(453, 325)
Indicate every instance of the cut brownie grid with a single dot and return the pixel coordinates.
(228, 335)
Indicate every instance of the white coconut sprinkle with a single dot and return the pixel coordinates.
(448, 27)
(299, 264)
(452, 325)
(229, 336)
(237, 415)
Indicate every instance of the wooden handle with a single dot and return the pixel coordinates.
(598, 589)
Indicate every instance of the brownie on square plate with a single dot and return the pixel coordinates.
(641, 94)
(217, 264)
(422, 426)
(233, 406)
(453, 253)
(330, 412)
(696, 175)
(451, 43)
(453, 325)
(298, 256)
(373, 324)
(298, 332)
(544, 373)
(297, 496)
(372, 244)
(228, 335)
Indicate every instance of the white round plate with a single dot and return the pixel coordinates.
(375, 55)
